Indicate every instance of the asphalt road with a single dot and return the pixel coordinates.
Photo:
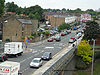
(37, 51)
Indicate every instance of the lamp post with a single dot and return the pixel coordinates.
(92, 57)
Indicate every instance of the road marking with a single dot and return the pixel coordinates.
(25, 69)
(34, 51)
(26, 59)
(43, 51)
(48, 47)
(60, 47)
(23, 60)
(60, 44)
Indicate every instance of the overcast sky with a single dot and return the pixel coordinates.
(59, 4)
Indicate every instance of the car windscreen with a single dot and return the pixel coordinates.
(35, 61)
(46, 54)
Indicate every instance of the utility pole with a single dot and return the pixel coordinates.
(92, 57)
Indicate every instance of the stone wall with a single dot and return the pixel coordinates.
(12, 30)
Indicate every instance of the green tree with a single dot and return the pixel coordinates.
(1, 7)
(92, 29)
(63, 9)
(64, 26)
(36, 10)
(84, 51)
(31, 15)
(11, 7)
(78, 10)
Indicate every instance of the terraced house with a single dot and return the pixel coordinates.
(15, 28)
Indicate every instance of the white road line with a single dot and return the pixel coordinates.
(23, 60)
(48, 47)
(34, 51)
(60, 47)
(25, 69)
(43, 51)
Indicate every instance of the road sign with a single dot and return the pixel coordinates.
(26, 40)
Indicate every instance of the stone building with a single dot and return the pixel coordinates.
(57, 18)
(15, 28)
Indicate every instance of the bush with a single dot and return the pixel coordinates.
(46, 28)
(30, 37)
(39, 33)
(47, 33)
(80, 64)
(0, 36)
(97, 55)
(34, 34)
(7, 40)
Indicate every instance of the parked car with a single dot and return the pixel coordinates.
(47, 56)
(40, 29)
(79, 35)
(68, 31)
(57, 38)
(36, 62)
(50, 39)
(63, 34)
(3, 57)
(71, 40)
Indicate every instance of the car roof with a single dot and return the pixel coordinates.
(37, 59)
(47, 52)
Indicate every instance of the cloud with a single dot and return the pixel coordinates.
(59, 4)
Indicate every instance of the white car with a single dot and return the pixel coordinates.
(71, 40)
(36, 62)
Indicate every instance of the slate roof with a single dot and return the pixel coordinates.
(24, 21)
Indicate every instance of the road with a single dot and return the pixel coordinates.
(37, 51)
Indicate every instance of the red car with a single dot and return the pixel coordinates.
(63, 34)
(50, 39)
(72, 38)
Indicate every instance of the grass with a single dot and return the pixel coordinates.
(97, 68)
(95, 46)
(88, 71)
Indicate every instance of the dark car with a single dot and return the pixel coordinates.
(47, 56)
(3, 57)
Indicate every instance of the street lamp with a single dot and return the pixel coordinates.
(92, 57)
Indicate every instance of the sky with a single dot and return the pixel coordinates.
(59, 4)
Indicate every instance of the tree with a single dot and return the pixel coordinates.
(31, 16)
(78, 10)
(1, 7)
(92, 29)
(64, 26)
(11, 7)
(63, 9)
(36, 10)
(84, 51)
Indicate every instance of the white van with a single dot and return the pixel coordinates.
(13, 48)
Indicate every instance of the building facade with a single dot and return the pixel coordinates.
(56, 19)
(14, 28)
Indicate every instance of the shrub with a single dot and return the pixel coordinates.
(0, 36)
(80, 64)
(30, 37)
(84, 51)
(47, 33)
(34, 34)
(97, 55)
(7, 40)
(46, 28)
(39, 33)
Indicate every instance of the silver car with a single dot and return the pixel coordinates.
(36, 62)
